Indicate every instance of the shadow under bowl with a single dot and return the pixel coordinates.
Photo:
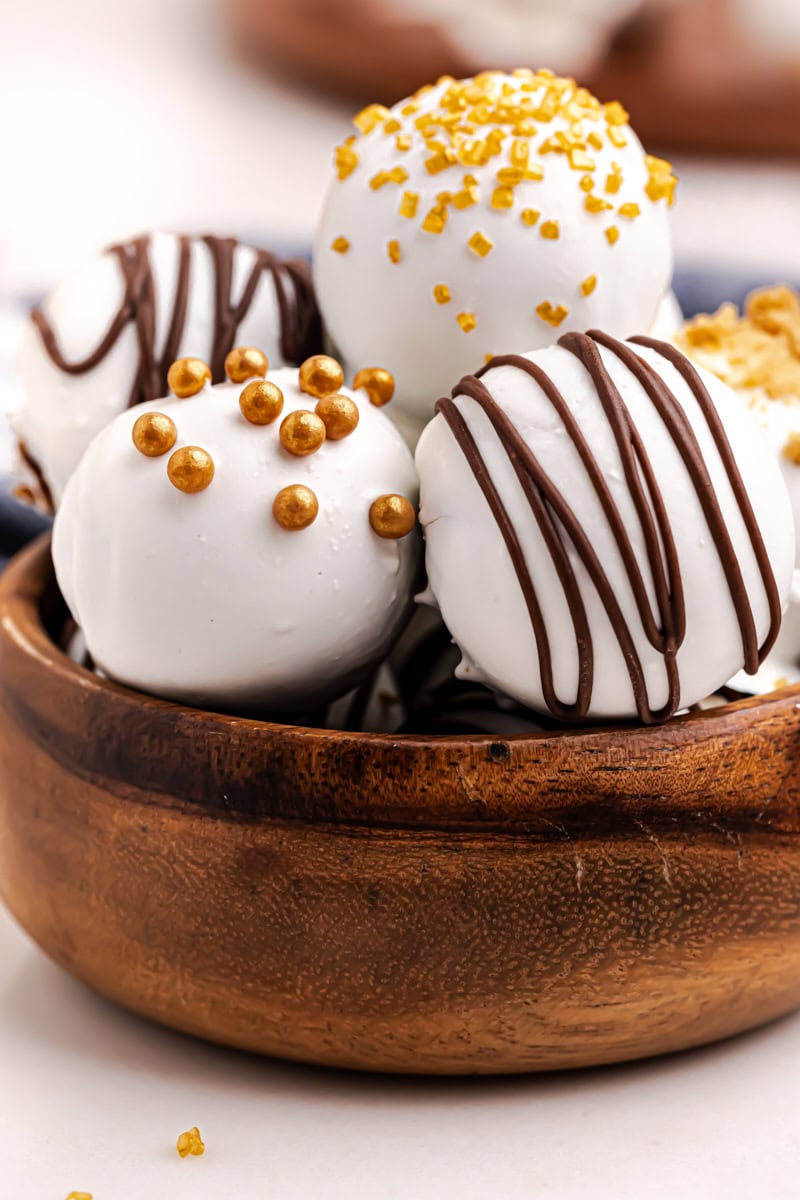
(431, 905)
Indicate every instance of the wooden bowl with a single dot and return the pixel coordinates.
(404, 904)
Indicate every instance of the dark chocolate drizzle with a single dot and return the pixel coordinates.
(300, 330)
(560, 526)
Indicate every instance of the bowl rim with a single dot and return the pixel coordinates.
(30, 575)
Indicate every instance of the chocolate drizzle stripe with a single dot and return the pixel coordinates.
(300, 330)
(666, 631)
(717, 429)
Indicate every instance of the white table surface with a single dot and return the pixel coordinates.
(93, 1099)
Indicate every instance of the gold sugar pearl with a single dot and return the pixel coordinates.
(302, 432)
(246, 362)
(295, 507)
(154, 434)
(190, 469)
(377, 383)
(392, 516)
(190, 1142)
(339, 414)
(261, 402)
(320, 375)
(188, 376)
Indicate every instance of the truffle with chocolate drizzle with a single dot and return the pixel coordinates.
(105, 338)
(612, 539)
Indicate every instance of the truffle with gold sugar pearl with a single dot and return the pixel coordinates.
(606, 534)
(243, 575)
(105, 337)
(498, 193)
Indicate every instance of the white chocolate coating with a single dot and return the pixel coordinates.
(63, 412)
(470, 571)
(204, 598)
(377, 309)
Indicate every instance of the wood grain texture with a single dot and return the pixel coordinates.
(443, 905)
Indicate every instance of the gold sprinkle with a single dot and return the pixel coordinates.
(395, 175)
(596, 204)
(154, 434)
(529, 216)
(586, 183)
(392, 516)
(392, 125)
(480, 244)
(595, 141)
(190, 469)
(261, 402)
(440, 161)
(466, 197)
(346, 161)
(393, 250)
(188, 376)
(615, 114)
(549, 229)
(781, 682)
(503, 197)
(340, 245)
(467, 321)
(661, 183)
(377, 382)
(617, 137)
(552, 314)
(436, 219)
(320, 375)
(612, 233)
(409, 109)
(245, 362)
(510, 176)
(79, 1196)
(441, 293)
(369, 117)
(339, 414)
(791, 450)
(403, 141)
(535, 172)
(579, 160)
(614, 179)
(408, 204)
(588, 285)
(630, 210)
(190, 1142)
(302, 432)
(295, 507)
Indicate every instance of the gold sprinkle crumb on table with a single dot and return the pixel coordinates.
(758, 351)
(549, 229)
(791, 450)
(612, 234)
(596, 204)
(79, 1196)
(529, 216)
(467, 321)
(630, 210)
(190, 1142)
(393, 250)
(588, 285)
(340, 245)
(480, 244)
(503, 197)
(436, 219)
(552, 314)
(441, 293)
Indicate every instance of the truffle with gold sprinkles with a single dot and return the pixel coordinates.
(190, 1142)
(247, 575)
(502, 192)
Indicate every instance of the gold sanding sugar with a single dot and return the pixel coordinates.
(79, 1196)
(759, 349)
(190, 1142)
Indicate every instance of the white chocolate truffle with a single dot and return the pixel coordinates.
(758, 355)
(191, 589)
(607, 536)
(169, 296)
(495, 211)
